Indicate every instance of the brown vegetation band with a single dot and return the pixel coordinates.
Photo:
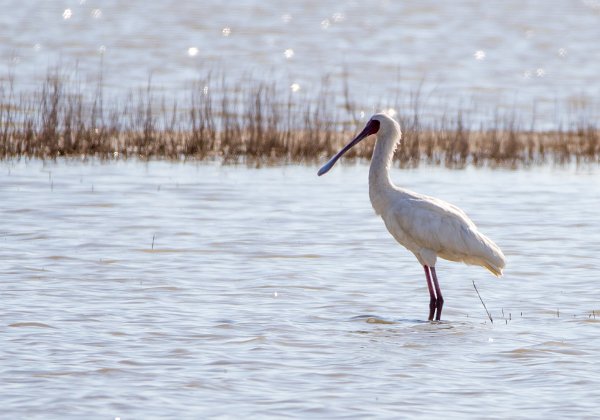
(255, 123)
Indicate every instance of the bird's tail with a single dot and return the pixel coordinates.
(493, 258)
(495, 269)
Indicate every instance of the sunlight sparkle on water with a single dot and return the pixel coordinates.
(295, 87)
(192, 51)
(96, 13)
(325, 24)
(479, 55)
(289, 53)
(67, 14)
(338, 17)
(226, 31)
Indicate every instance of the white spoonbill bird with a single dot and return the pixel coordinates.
(426, 226)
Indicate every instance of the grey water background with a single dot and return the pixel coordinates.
(532, 60)
(161, 289)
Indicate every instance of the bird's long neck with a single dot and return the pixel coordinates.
(379, 172)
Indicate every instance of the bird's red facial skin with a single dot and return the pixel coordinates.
(371, 128)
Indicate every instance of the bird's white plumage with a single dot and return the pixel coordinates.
(426, 226)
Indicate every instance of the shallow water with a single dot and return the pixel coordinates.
(507, 55)
(139, 290)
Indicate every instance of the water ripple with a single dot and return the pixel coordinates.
(304, 311)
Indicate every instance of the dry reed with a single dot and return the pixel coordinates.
(256, 123)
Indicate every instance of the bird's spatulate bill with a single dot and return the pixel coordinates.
(371, 128)
(325, 168)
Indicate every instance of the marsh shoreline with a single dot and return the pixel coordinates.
(258, 122)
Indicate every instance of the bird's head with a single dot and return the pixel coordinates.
(381, 124)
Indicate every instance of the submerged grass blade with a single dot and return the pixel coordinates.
(484, 307)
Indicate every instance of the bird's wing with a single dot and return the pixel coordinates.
(431, 224)
(434, 224)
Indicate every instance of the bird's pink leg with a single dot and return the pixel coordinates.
(438, 292)
(432, 299)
